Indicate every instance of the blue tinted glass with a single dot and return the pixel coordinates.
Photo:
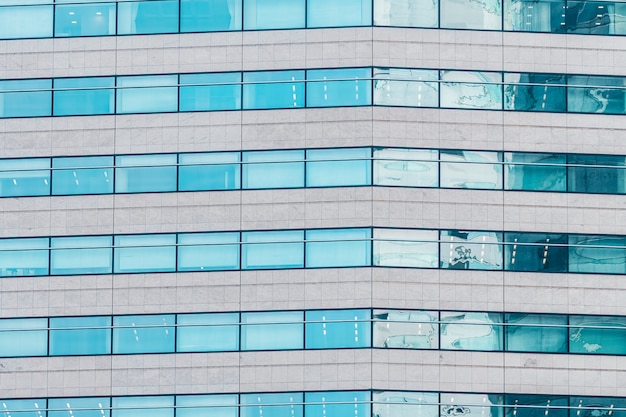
(338, 247)
(80, 336)
(394, 329)
(418, 13)
(596, 174)
(154, 16)
(535, 16)
(337, 167)
(272, 330)
(210, 91)
(471, 331)
(532, 92)
(23, 257)
(208, 251)
(82, 175)
(273, 169)
(81, 255)
(471, 169)
(149, 93)
(161, 406)
(470, 250)
(210, 15)
(464, 14)
(339, 87)
(534, 171)
(149, 173)
(225, 405)
(273, 89)
(26, 22)
(79, 407)
(595, 94)
(597, 254)
(273, 14)
(24, 177)
(269, 250)
(597, 335)
(145, 253)
(406, 87)
(338, 404)
(84, 19)
(471, 89)
(332, 329)
(23, 408)
(23, 98)
(403, 403)
(536, 333)
(535, 252)
(218, 332)
(143, 334)
(23, 337)
(331, 13)
(209, 171)
(287, 404)
(76, 96)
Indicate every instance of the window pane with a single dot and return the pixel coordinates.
(532, 92)
(338, 167)
(24, 177)
(24, 257)
(406, 329)
(406, 167)
(273, 169)
(406, 87)
(82, 175)
(161, 406)
(331, 13)
(536, 333)
(84, 19)
(218, 332)
(208, 251)
(25, 22)
(76, 96)
(538, 252)
(471, 331)
(145, 253)
(465, 14)
(210, 15)
(471, 90)
(23, 408)
(593, 94)
(149, 93)
(339, 87)
(471, 250)
(338, 404)
(79, 407)
(595, 18)
(209, 171)
(534, 171)
(81, 255)
(270, 250)
(405, 404)
(331, 329)
(23, 337)
(146, 173)
(287, 404)
(471, 169)
(408, 248)
(273, 89)
(338, 248)
(154, 16)
(273, 14)
(272, 331)
(25, 98)
(597, 334)
(486, 405)
(594, 406)
(537, 405)
(224, 405)
(419, 13)
(597, 254)
(210, 91)
(534, 16)
(596, 174)
(80, 336)
(143, 334)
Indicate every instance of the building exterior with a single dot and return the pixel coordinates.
(287, 208)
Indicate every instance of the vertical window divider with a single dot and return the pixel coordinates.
(180, 16)
(49, 337)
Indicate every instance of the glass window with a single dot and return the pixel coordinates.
(534, 92)
(210, 15)
(408, 248)
(82, 175)
(147, 93)
(337, 404)
(25, 98)
(537, 405)
(220, 405)
(405, 404)
(396, 329)
(208, 251)
(597, 254)
(24, 257)
(406, 87)
(143, 334)
(23, 337)
(273, 89)
(471, 250)
(77, 96)
(594, 406)
(145, 253)
(145, 173)
(471, 169)
(210, 91)
(331, 329)
(97, 19)
(273, 169)
(142, 17)
(538, 252)
(25, 22)
(24, 177)
(217, 332)
(596, 174)
(209, 171)
(81, 255)
(471, 89)
(23, 408)
(288, 404)
(597, 334)
(271, 250)
(406, 167)
(79, 407)
(338, 248)
(273, 14)
(339, 87)
(465, 14)
(536, 332)
(419, 13)
(161, 406)
(534, 171)
(274, 330)
(471, 331)
(330, 13)
(80, 336)
(595, 18)
(485, 405)
(595, 94)
(338, 167)
(534, 16)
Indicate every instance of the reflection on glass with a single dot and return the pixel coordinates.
(81, 255)
(79, 407)
(596, 174)
(597, 334)
(538, 252)
(216, 332)
(536, 332)
(25, 98)
(534, 16)
(23, 337)
(79, 96)
(420, 13)
(408, 248)
(595, 17)
(596, 94)
(457, 405)
(24, 177)
(406, 329)
(209, 171)
(273, 14)
(338, 248)
(338, 87)
(537, 405)
(204, 92)
(147, 93)
(597, 254)
(471, 331)
(405, 404)
(331, 13)
(471, 250)
(597, 406)
(270, 250)
(80, 335)
(145, 173)
(533, 92)
(96, 19)
(272, 330)
(23, 408)
(143, 334)
(144, 17)
(26, 22)
(406, 87)
(337, 167)
(534, 171)
(208, 251)
(467, 14)
(219, 405)
(82, 175)
(337, 404)
(331, 329)
(210, 15)
(471, 169)
(273, 89)
(273, 169)
(24, 257)
(145, 253)
(471, 90)
(157, 406)
(406, 167)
